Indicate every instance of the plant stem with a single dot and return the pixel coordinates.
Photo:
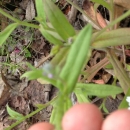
(28, 116)
(60, 112)
(8, 16)
(119, 71)
(113, 23)
(63, 104)
(18, 21)
(31, 114)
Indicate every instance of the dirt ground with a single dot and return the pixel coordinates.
(28, 45)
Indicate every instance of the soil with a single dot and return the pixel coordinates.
(23, 95)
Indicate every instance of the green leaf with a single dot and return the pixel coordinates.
(124, 103)
(60, 57)
(119, 71)
(58, 20)
(98, 89)
(6, 32)
(77, 57)
(102, 2)
(27, 53)
(53, 116)
(51, 38)
(40, 105)
(55, 50)
(108, 66)
(82, 97)
(96, 5)
(30, 66)
(31, 114)
(34, 74)
(104, 108)
(55, 34)
(40, 10)
(112, 38)
(14, 115)
(127, 67)
(47, 73)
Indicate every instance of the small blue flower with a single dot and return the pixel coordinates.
(48, 70)
(50, 75)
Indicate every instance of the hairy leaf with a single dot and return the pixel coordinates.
(112, 38)
(98, 89)
(77, 57)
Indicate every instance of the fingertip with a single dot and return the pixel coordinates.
(118, 120)
(42, 126)
(81, 117)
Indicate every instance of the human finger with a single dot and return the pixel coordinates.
(82, 117)
(118, 120)
(42, 126)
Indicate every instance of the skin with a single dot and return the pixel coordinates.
(88, 117)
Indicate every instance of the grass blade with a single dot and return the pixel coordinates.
(6, 32)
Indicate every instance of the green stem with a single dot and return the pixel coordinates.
(113, 23)
(28, 24)
(31, 114)
(63, 105)
(8, 16)
(60, 112)
(119, 71)
(28, 116)
(18, 21)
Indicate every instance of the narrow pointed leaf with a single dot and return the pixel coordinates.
(60, 57)
(82, 97)
(35, 74)
(112, 38)
(50, 37)
(58, 20)
(13, 114)
(77, 57)
(124, 104)
(40, 10)
(98, 89)
(6, 32)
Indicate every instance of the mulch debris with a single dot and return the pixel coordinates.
(28, 45)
